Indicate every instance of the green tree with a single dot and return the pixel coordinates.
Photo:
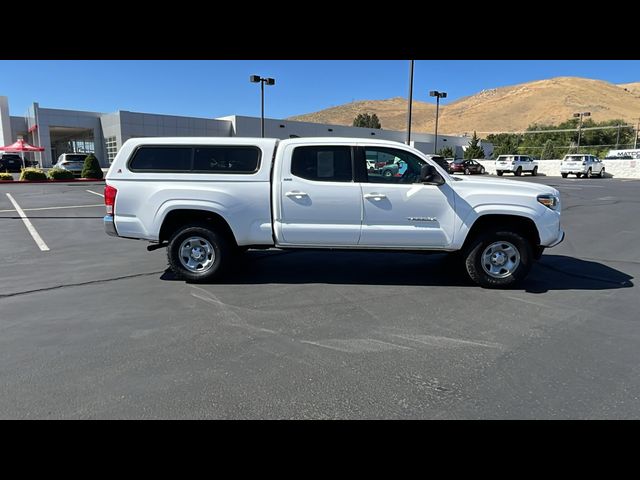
(367, 120)
(474, 150)
(91, 167)
(547, 151)
(447, 152)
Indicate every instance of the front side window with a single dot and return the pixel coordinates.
(393, 165)
(323, 163)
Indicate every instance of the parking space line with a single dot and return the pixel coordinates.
(53, 208)
(36, 237)
(96, 193)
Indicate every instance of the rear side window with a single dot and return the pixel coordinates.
(161, 159)
(226, 159)
(323, 163)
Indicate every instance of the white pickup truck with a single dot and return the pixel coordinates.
(208, 199)
(516, 164)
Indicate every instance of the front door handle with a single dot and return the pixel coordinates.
(375, 196)
(297, 195)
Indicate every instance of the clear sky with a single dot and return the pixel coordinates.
(219, 88)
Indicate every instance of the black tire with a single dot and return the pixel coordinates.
(467, 171)
(221, 247)
(499, 173)
(564, 175)
(473, 258)
(482, 171)
(518, 172)
(602, 173)
(535, 171)
(578, 175)
(387, 173)
(588, 174)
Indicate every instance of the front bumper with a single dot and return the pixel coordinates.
(110, 226)
(557, 240)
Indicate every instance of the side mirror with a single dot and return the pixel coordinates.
(429, 175)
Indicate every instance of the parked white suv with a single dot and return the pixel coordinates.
(516, 164)
(581, 164)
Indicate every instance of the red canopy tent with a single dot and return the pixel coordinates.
(21, 146)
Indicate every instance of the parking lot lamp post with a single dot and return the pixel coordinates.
(410, 102)
(576, 115)
(438, 95)
(262, 81)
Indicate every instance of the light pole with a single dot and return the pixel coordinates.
(262, 81)
(438, 95)
(576, 115)
(409, 105)
(635, 140)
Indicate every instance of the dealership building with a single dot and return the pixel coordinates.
(62, 131)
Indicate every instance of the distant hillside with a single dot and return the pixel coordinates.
(504, 109)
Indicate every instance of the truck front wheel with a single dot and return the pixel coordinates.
(498, 259)
(197, 253)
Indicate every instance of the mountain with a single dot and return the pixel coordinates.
(504, 109)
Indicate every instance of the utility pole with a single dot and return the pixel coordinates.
(618, 137)
(410, 103)
(635, 141)
(576, 115)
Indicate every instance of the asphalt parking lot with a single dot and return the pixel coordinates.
(96, 327)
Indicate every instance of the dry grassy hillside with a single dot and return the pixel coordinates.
(504, 109)
(631, 87)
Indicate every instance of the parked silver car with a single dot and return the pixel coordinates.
(73, 162)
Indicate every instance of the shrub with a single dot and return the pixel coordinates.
(91, 168)
(33, 174)
(6, 176)
(60, 174)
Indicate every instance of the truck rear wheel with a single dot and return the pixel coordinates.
(499, 173)
(564, 175)
(498, 259)
(535, 171)
(197, 253)
(518, 172)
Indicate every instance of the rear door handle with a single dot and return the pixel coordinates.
(296, 194)
(375, 196)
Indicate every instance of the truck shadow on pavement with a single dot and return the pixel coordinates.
(552, 272)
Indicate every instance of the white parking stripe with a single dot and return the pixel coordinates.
(36, 237)
(53, 208)
(96, 193)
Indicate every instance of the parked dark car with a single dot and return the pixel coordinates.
(440, 160)
(468, 167)
(12, 162)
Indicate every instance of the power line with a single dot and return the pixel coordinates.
(626, 125)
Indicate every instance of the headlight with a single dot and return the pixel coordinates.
(550, 201)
